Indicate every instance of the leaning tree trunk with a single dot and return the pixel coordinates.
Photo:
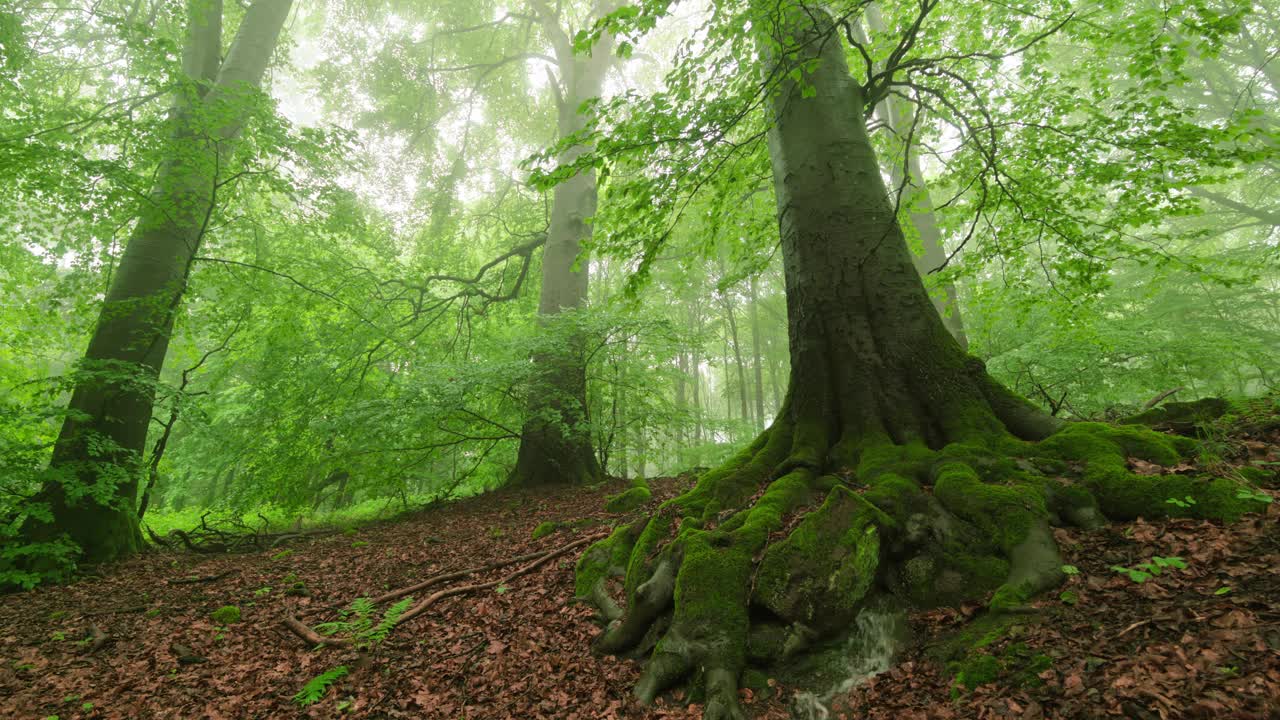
(776, 550)
(97, 457)
(555, 444)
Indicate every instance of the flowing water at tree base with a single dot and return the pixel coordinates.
(870, 648)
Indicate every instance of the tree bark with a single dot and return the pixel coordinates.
(555, 446)
(96, 459)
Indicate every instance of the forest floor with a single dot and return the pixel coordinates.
(139, 641)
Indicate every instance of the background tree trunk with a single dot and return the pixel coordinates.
(97, 457)
(755, 352)
(555, 446)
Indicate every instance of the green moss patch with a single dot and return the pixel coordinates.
(822, 570)
(226, 615)
(628, 500)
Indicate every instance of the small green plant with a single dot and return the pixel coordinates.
(1070, 570)
(1184, 503)
(359, 544)
(317, 686)
(1254, 495)
(496, 532)
(58, 635)
(501, 589)
(86, 706)
(264, 590)
(1224, 590)
(282, 555)
(226, 615)
(357, 622)
(153, 612)
(1143, 572)
(1069, 597)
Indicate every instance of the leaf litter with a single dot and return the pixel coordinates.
(138, 641)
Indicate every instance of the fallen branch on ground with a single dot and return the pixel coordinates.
(231, 535)
(302, 630)
(201, 579)
(454, 575)
(1160, 398)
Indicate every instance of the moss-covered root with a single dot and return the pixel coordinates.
(1124, 495)
(604, 560)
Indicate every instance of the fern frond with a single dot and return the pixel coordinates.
(317, 686)
(362, 607)
(389, 620)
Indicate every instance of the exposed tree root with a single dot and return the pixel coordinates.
(782, 546)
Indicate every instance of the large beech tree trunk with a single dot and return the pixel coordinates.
(97, 458)
(774, 552)
(555, 445)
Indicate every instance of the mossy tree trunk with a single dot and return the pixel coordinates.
(555, 445)
(828, 508)
(96, 460)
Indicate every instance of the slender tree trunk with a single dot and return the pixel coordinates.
(96, 460)
(555, 446)
(755, 353)
(697, 375)
(737, 357)
(728, 386)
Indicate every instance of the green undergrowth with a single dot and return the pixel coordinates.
(278, 519)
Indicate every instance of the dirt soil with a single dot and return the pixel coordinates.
(139, 641)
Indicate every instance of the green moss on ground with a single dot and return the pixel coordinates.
(226, 615)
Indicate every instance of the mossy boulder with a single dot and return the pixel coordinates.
(629, 499)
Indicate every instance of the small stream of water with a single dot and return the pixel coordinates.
(877, 636)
